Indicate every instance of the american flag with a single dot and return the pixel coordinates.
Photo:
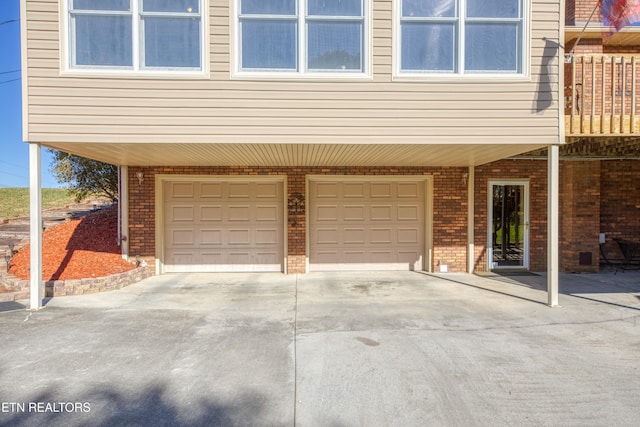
(620, 13)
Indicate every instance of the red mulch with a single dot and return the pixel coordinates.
(78, 249)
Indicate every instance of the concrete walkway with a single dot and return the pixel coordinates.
(330, 349)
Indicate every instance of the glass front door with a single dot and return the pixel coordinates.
(508, 225)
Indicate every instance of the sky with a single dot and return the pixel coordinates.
(14, 153)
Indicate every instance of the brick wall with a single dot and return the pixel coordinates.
(579, 216)
(449, 206)
(620, 202)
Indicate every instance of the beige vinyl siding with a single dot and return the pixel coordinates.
(221, 108)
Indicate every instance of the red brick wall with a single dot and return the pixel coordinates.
(579, 215)
(449, 207)
(620, 202)
(536, 172)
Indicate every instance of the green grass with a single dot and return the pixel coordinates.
(14, 202)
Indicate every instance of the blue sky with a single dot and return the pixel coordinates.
(14, 153)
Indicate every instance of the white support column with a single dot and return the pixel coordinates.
(553, 218)
(35, 228)
(471, 258)
(123, 206)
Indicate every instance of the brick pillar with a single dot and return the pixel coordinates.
(579, 216)
(296, 222)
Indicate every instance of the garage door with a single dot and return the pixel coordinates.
(377, 225)
(223, 226)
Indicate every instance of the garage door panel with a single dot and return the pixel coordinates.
(382, 229)
(239, 213)
(183, 237)
(381, 235)
(327, 190)
(210, 237)
(267, 237)
(267, 191)
(354, 236)
(327, 212)
(353, 190)
(223, 226)
(267, 214)
(408, 190)
(408, 212)
(211, 213)
(182, 213)
(408, 235)
(182, 190)
(239, 190)
(381, 212)
(211, 190)
(381, 190)
(354, 213)
(238, 237)
(326, 236)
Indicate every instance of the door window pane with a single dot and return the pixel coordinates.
(492, 47)
(428, 47)
(103, 40)
(269, 45)
(334, 46)
(171, 42)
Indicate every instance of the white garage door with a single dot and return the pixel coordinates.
(223, 226)
(367, 225)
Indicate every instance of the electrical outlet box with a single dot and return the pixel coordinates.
(601, 238)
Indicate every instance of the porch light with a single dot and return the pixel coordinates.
(140, 177)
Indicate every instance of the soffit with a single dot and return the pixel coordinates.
(294, 154)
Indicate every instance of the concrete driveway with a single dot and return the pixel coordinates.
(330, 349)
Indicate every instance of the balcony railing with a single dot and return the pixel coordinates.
(601, 95)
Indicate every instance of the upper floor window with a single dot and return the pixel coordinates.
(136, 34)
(301, 36)
(462, 36)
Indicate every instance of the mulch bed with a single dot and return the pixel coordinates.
(78, 249)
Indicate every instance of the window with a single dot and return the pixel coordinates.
(136, 34)
(461, 36)
(301, 36)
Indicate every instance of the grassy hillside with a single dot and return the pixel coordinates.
(14, 202)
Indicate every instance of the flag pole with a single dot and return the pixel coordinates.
(598, 4)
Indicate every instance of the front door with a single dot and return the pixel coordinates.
(508, 224)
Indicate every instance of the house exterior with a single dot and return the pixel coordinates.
(308, 135)
(600, 163)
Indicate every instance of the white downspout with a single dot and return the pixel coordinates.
(35, 226)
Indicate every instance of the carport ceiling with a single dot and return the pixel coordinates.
(164, 154)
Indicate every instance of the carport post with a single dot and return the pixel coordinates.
(553, 190)
(35, 226)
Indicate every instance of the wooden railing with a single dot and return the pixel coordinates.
(601, 96)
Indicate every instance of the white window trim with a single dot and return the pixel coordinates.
(66, 51)
(302, 72)
(523, 75)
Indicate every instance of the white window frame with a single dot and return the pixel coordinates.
(460, 21)
(302, 71)
(137, 67)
